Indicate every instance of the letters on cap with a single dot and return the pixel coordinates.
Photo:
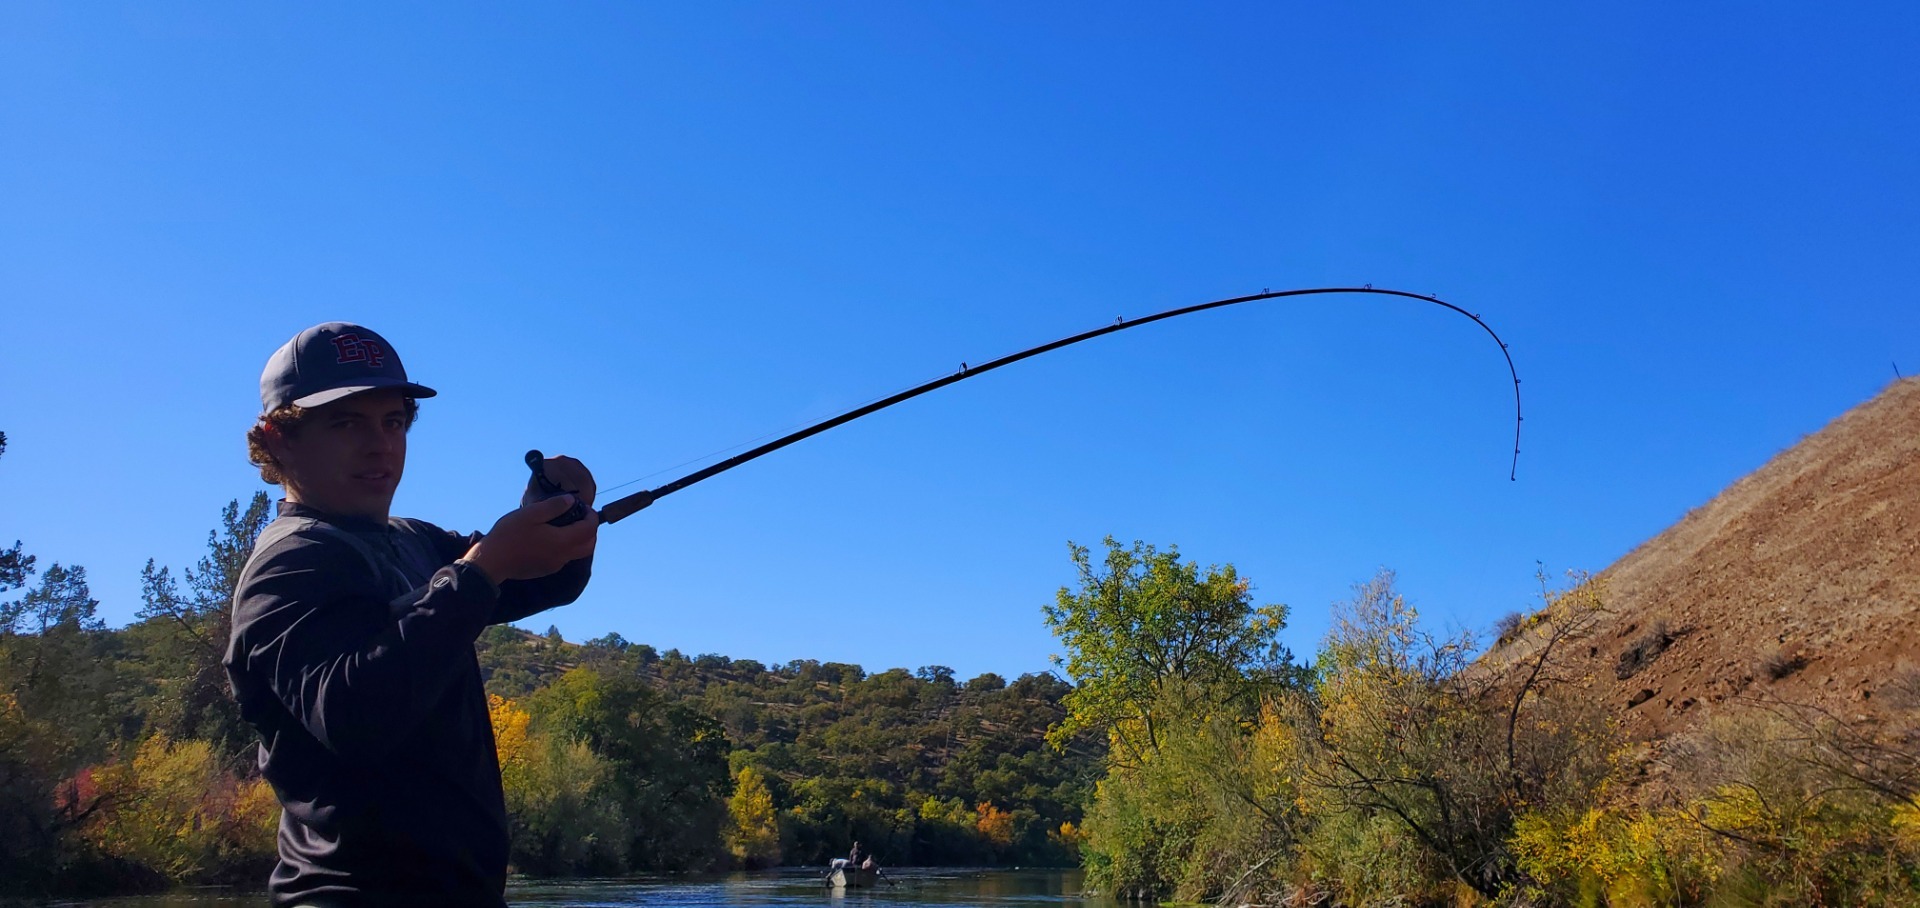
(327, 362)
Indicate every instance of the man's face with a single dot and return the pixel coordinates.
(346, 457)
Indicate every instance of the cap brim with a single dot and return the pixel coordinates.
(322, 398)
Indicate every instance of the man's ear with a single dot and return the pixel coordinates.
(278, 447)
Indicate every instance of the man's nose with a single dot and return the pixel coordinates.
(384, 441)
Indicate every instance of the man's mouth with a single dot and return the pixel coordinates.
(374, 475)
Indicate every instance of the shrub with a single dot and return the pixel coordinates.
(565, 820)
(1644, 649)
(1616, 856)
(172, 809)
(1781, 663)
(1509, 627)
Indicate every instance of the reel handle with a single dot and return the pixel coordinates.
(547, 488)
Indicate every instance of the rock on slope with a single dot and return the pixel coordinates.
(1800, 581)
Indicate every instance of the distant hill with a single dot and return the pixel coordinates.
(920, 766)
(1800, 581)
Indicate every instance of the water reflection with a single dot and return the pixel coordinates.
(917, 887)
(912, 887)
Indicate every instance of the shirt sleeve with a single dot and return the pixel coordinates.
(520, 598)
(356, 670)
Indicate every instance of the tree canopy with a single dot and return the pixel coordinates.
(1144, 626)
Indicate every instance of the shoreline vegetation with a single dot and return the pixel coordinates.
(125, 767)
(1403, 767)
(1191, 759)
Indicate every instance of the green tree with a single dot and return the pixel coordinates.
(16, 568)
(63, 703)
(188, 632)
(565, 809)
(27, 822)
(15, 565)
(55, 659)
(670, 763)
(1145, 624)
(1171, 663)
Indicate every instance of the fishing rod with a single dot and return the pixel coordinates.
(626, 507)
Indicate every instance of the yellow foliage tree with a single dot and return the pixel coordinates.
(995, 824)
(753, 830)
(254, 823)
(952, 812)
(172, 809)
(509, 738)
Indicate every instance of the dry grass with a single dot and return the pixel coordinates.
(1816, 552)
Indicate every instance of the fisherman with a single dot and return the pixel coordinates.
(352, 645)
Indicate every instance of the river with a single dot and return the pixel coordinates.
(913, 887)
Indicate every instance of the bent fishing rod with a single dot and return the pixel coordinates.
(626, 507)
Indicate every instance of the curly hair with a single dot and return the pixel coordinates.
(286, 421)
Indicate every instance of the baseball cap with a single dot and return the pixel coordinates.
(327, 362)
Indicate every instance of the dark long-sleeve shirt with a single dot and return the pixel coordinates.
(352, 655)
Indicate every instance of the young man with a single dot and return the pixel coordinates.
(352, 648)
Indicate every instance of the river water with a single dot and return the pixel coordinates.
(922, 887)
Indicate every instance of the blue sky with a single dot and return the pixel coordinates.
(639, 233)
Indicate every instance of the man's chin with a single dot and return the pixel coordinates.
(371, 506)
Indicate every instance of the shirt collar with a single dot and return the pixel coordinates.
(357, 524)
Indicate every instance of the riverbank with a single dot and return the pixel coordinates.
(787, 886)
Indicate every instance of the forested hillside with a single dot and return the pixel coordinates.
(918, 766)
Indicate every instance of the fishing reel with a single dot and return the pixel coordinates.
(547, 488)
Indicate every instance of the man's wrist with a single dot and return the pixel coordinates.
(477, 561)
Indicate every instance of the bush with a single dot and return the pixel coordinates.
(1644, 649)
(1617, 857)
(1781, 663)
(172, 809)
(1508, 628)
(565, 819)
(1759, 816)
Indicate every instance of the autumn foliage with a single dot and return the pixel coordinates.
(1403, 770)
(124, 764)
(173, 808)
(753, 826)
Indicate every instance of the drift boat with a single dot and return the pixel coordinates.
(844, 875)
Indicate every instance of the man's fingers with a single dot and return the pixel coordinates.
(582, 537)
(549, 508)
(576, 540)
(572, 475)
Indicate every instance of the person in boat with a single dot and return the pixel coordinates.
(853, 856)
(352, 644)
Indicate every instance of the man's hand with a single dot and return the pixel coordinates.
(521, 546)
(570, 475)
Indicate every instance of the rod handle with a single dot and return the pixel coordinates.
(626, 507)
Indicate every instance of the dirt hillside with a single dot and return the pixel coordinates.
(1801, 580)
